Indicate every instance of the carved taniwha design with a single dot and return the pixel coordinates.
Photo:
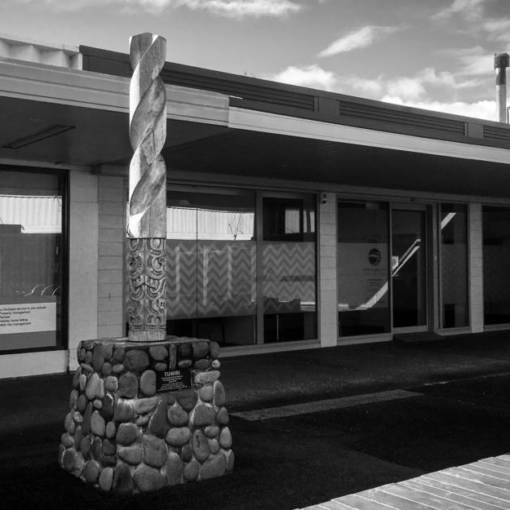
(146, 304)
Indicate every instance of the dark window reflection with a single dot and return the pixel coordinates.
(289, 269)
(211, 252)
(454, 266)
(31, 260)
(362, 261)
(496, 264)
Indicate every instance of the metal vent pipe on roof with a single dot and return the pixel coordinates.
(501, 62)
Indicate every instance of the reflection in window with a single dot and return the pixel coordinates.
(496, 264)
(289, 269)
(31, 260)
(362, 260)
(211, 254)
(454, 269)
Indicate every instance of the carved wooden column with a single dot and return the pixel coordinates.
(146, 229)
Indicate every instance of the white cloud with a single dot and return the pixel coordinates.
(361, 38)
(310, 76)
(479, 109)
(470, 9)
(227, 8)
(497, 29)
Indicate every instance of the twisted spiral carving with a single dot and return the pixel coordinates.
(147, 133)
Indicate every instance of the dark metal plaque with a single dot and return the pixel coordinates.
(173, 380)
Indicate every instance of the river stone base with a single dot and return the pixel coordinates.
(124, 435)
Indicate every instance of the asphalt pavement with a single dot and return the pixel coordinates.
(453, 409)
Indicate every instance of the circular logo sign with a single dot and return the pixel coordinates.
(374, 256)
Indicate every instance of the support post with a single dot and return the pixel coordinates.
(146, 224)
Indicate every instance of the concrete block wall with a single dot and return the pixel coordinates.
(476, 267)
(110, 277)
(328, 316)
(83, 260)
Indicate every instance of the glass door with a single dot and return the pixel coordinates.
(409, 268)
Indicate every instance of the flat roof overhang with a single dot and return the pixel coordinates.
(209, 133)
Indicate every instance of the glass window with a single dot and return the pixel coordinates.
(362, 260)
(289, 269)
(211, 250)
(31, 260)
(454, 265)
(496, 264)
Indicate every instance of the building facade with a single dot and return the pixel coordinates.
(296, 218)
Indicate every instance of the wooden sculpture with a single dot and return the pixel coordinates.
(146, 223)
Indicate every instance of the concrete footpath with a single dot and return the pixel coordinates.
(308, 425)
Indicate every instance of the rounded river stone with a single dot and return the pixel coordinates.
(187, 399)
(214, 446)
(186, 453)
(126, 433)
(97, 424)
(82, 403)
(158, 424)
(201, 364)
(220, 397)
(211, 431)
(222, 416)
(67, 439)
(109, 447)
(177, 416)
(148, 382)
(145, 405)
(118, 354)
(206, 393)
(174, 468)
(185, 363)
(178, 436)
(82, 381)
(97, 448)
(91, 471)
(86, 419)
(81, 354)
(98, 357)
(69, 459)
(98, 404)
(128, 385)
(78, 436)
(106, 479)
(148, 479)
(108, 404)
(95, 387)
(160, 367)
(158, 352)
(69, 424)
(155, 451)
(136, 360)
(73, 399)
(230, 458)
(142, 420)
(216, 363)
(111, 383)
(108, 350)
(85, 446)
(191, 470)
(200, 349)
(213, 467)
(226, 438)
(124, 411)
(118, 368)
(207, 377)
(88, 358)
(214, 349)
(122, 480)
(185, 350)
(200, 445)
(131, 454)
(203, 415)
(111, 430)
(107, 369)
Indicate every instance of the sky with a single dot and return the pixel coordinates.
(432, 54)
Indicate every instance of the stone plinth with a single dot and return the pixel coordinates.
(146, 415)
